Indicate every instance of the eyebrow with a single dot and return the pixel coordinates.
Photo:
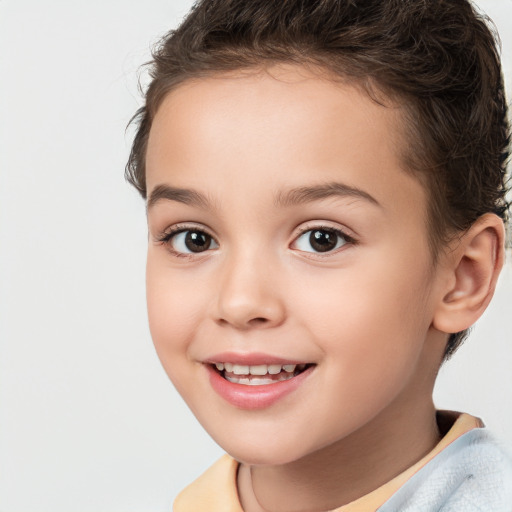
(303, 195)
(180, 195)
(293, 197)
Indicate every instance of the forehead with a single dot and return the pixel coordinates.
(283, 127)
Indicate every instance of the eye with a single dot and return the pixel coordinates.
(321, 240)
(189, 241)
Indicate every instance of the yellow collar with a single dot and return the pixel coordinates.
(216, 489)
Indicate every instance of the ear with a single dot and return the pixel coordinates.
(473, 268)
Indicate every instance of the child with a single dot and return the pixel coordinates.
(326, 204)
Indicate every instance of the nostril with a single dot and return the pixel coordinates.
(258, 321)
(253, 322)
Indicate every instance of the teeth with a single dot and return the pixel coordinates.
(257, 381)
(260, 369)
(274, 369)
(239, 369)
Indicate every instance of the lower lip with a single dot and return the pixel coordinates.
(255, 397)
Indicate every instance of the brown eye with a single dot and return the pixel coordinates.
(197, 241)
(321, 240)
(191, 241)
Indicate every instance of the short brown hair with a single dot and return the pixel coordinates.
(440, 58)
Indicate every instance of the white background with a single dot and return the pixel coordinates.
(88, 420)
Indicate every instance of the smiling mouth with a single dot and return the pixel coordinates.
(259, 375)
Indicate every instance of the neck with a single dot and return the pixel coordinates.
(346, 470)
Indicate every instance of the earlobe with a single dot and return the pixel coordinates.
(475, 264)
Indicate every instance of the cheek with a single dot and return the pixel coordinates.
(371, 331)
(362, 301)
(174, 310)
(370, 316)
(173, 314)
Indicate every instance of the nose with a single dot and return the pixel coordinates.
(249, 296)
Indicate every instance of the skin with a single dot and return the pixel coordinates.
(364, 313)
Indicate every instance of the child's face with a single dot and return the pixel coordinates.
(300, 241)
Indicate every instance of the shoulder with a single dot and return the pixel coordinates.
(473, 473)
(214, 491)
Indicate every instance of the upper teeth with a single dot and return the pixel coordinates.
(260, 369)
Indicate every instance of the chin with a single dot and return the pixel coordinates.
(262, 450)
(262, 458)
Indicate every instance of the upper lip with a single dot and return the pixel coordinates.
(250, 359)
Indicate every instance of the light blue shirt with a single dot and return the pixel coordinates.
(472, 474)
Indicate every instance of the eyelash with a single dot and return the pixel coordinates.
(166, 237)
(349, 240)
(173, 231)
